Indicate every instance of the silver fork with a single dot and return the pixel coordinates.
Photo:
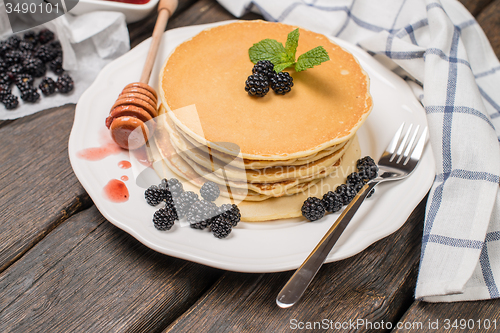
(398, 160)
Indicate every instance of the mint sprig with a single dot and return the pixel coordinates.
(284, 56)
(311, 58)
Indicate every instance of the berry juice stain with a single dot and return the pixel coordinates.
(107, 147)
(116, 191)
(124, 178)
(124, 164)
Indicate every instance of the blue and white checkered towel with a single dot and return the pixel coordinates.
(440, 45)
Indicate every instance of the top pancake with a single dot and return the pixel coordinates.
(326, 106)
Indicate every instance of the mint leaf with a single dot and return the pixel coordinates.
(268, 49)
(291, 44)
(279, 67)
(311, 58)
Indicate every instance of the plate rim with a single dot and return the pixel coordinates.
(213, 261)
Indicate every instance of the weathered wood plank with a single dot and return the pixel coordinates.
(38, 189)
(480, 316)
(139, 31)
(376, 285)
(489, 19)
(89, 276)
(201, 12)
(475, 6)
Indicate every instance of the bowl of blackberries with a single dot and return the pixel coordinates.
(25, 62)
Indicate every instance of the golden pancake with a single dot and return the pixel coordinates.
(192, 147)
(236, 170)
(164, 160)
(326, 106)
(255, 208)
(197, 174)
(275, 175)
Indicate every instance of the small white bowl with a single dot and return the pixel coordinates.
(132, 12)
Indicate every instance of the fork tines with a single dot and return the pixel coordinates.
(403, 147)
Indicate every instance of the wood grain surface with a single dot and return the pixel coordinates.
(479, 316)
(38, 189)
(489, 20)
(374, 285)
(475, 6)
(89, 276)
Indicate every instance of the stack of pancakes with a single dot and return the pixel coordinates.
(270, 153)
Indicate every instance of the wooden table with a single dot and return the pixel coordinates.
(64, 268)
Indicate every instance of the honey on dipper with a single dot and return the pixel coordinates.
(136, 106)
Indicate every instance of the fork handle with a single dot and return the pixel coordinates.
(300, 280)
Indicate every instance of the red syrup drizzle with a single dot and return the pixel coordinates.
(116, 191)
(124, 164)
(124, 178)
(134, 2)
(107, 147)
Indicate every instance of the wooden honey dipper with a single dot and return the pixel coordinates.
(136, 105)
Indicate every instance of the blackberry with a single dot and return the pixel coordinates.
(210, 191)
(30, 95)
(4, 91)
(14, 41)
(45, 36)
(56, 45)
(5, 79)
(4, 47)
(24, 55)
(12, 57)
(264, 67)
(64, 83)
(175, 187)
(221, 226)
(356, 180)
(56, 65)
(367, 167)
(332, 202)
(24, 78)
(163, 219)
(231, 212)
(45, 53)
(30, 37)
(10, 102)
(169, 205)
(184, 202)
(47, 86)
(367, 160)
(154, 195)
(26, 46)
(257, 85)
(35, 67)
(3, 66)
(14, 71)
(281, 83)
(313, 209)
(23, 86)
(346, 193)
(357, 187)
(201, 213)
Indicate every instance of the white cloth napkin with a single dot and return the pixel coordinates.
(436, 44)
(89, 42)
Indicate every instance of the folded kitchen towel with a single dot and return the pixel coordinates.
(441, 51)
(89, 42)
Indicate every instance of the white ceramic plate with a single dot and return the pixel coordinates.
(133, 12)
(251, 247)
